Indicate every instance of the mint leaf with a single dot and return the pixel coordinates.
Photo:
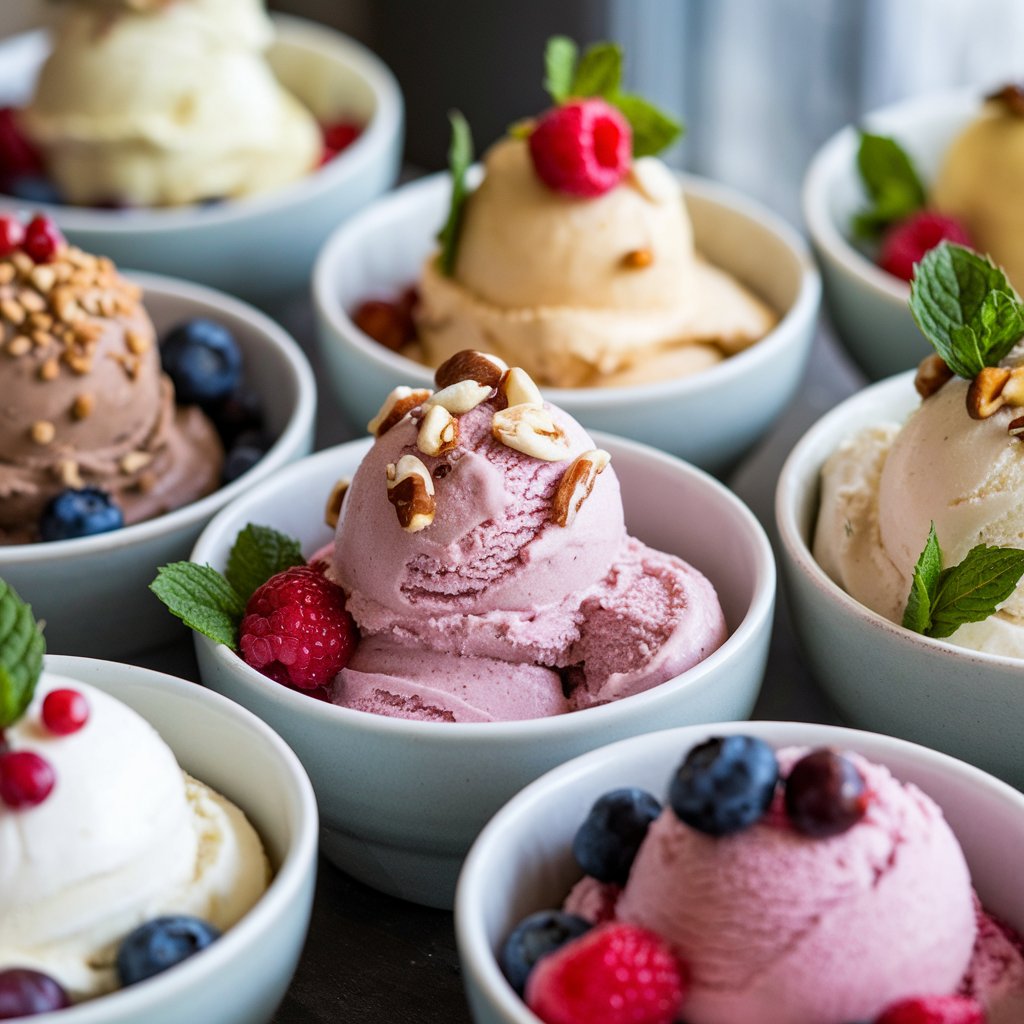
(966, 308)
(971, 591)
(653, 130)
(599, 72)
(202, 599)
(260, 552)
(460, 156)
(21, 655)
(559, 67)
(891, 182)
(927, 571)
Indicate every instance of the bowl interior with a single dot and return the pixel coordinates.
(522, 860)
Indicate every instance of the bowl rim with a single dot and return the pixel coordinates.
(837, 155)
(723, 374)
(757, 617)
(132, 1003)
(475, 954)
(802, 465)
(383, 127)
(300, 423)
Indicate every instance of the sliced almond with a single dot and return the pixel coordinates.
(517, 388)
(460, 397)
(332, 512)
(531, 430)
(411, 491)
(396, 407)
(576, 484)
(470, 365)
(439, 432)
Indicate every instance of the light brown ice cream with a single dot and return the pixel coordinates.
(83, 401)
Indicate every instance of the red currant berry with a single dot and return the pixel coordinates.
(26, 779)
(825, 794)
(65, 711)
(12, 234)
(43, 239)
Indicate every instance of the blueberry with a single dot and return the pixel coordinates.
(202, 359)
(725, 784)
(79, 513)
(239, 413)
(34, 189)
(24, 993)
(248, 450)
(161, 943)
(825, 794)
(606, 843)
(536, 936)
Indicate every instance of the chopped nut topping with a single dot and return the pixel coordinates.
(531, 430)
(1011, 97)
(44, 278)
(137, 342)
(469, 365)
(460, 397)
(396, 407)
(50, 370)
(1015, 428)
(932, 373)
(43, 339)
(332, 513)
(637, 259)
(411, 491)
(576, 484)
(83, 406)
(134, 461)
(69, 474)
(439, 431)
(7, 273)
(994, 387)
(19, 345)
(13, 312)
(32, 301)
(43, 431)
(517, 388)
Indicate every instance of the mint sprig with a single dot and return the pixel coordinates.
(891, 182)
(213, 604)
(966, 308)
(942, 600)
(599, 73)
(460, 158)
(21, 655)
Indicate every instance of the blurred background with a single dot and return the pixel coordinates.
(760, 83)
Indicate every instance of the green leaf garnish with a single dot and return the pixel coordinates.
(21, 655)
(942, 600)
(259, 553)
(891, 182)
(213, 604)
(653, 129)
(599, 72)
(966, 308)
(460, 157)
(559, 67)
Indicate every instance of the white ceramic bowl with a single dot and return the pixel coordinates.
(242, 977)
(261, 248)
(869, 306)
(92, 590)
(880, 675)
(522, 861)
(710, 418)
(401, 801)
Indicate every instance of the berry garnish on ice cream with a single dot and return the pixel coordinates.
(282, 616)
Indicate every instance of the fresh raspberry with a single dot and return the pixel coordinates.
(18, 157)
(906, 243)
(12, 235)
(338, 136)
(615, 973)
(934, 1010)
(43, 239)
(582, 149)
(296, 630)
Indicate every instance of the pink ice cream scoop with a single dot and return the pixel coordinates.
(776, 925)
(518, 593)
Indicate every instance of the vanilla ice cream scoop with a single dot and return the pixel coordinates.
(979, 184)
(151, 104)
(583, 291)
(123, 837)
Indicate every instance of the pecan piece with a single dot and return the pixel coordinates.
(411, 491)
(932, 373)
(332, 511)
(531, 430)
(469, 365)
(396, 407)
(576, 484)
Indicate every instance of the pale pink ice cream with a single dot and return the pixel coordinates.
(817, 931)
(495, 612)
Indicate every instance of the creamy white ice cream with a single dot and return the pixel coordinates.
(882, 489)
(596, 291)
(124, 836)
(168, 105)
